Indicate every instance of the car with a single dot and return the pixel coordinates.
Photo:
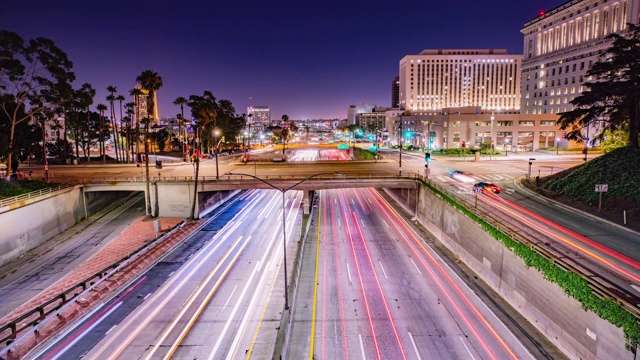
(488, 187)
(462, 176)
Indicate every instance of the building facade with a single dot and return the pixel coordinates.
(354, 110)
(562, 44)
(437, 79)
(259, 116)
(395, 92)
(471, 127)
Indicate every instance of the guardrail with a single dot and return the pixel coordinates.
(33, 194)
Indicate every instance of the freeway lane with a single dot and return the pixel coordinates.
(381, 293)
(226, 278)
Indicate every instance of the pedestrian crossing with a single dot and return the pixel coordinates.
(482, 177)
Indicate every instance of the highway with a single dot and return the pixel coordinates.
(379, 292)
(218, 296)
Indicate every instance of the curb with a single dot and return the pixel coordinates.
(519, 185)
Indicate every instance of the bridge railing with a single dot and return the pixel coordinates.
(141, 179)
(33, 194)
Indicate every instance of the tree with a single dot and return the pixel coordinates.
(128, 120)
(205, 110)
(160, 137)
(151, 82)
(123, 145)
(285, 132)
(180, 101)
(101, 109)
(27, 73)
(136, 93)
(112, 121)
(614, 97)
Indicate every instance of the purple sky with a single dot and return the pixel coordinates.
(301, 58)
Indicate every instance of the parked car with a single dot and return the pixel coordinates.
(488, 187)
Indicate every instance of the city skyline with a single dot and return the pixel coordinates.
(310, 62)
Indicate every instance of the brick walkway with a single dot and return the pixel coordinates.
(139, 233)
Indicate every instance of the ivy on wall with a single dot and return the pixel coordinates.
(572, 284)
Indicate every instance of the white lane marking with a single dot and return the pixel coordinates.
(71, 344)
(171, 274)
(339, 223)
(415, 348)
(111, 328)
(414, 264)
(352, 202)
(510, 191)
(384, 272)
(466, 347)
(335, 201)
(145, 298)
(259, 263)
(385, 223)
(361, 347)
(363, 225)
(635, 288)
(349, 272)
(230, 296)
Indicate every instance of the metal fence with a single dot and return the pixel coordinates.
(34, 194)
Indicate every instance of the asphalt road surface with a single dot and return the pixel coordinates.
(378, 292)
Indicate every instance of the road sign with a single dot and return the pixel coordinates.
(602, 188)
(343, 146)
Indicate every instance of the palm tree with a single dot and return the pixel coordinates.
(120, 99)
(205, 109)
(151, 82)
(101, 109)
(111, 99)
(180, 101)
(285, 132)
(129, 107)
(136, 93)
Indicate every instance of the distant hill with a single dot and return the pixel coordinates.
(620, 169)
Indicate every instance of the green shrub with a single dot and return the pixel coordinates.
(15, 188)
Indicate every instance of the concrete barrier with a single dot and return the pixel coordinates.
(29, 224)
(580, 334)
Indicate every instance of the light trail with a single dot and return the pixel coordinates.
(392, 215)
(377, 279)
(180, 279)
(315, 290)
(343, 325)
(507, 208)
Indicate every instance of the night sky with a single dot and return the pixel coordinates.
(306, 59)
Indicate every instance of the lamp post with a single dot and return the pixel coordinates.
(216, 133)
(491, 136)
(284, 221)
(506, 147)
(557, 145)
(400, 159)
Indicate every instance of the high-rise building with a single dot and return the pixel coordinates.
(562, 44)
(143, 107)
(437, 79)
(395, 92)
(259, 115)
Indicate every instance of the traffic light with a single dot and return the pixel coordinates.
(463, 144)
(564, 134)
(427, 157)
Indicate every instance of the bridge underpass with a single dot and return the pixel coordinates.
(174, 198)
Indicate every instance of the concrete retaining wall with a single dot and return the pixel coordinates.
(27, 226)
(578, 333)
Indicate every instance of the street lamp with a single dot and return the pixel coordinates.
(557, 145)
(401, 141)
(284, 221)
(216, 133)
(506, 146)
(491, 136)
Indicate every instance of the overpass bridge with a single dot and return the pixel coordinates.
(173, 196)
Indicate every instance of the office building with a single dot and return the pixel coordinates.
(437, 79)
(473, 127)
(561, 45)
(142, 109)
(354, 110)
(259, 116)
(395, 92)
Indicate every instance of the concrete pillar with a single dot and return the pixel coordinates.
(306, 204)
